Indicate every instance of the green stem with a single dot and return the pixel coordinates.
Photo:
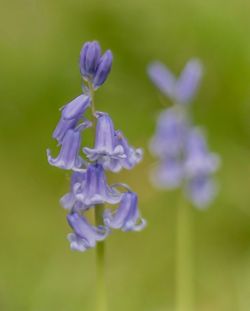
(184, 262)
(101, 302)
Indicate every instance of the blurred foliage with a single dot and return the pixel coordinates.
(40, 43)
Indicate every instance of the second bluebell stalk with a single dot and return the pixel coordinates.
(181, 147)
(111, 152)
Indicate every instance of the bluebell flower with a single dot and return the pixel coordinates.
(111, 149)
(85, 235)
(188, 82)
(200, 164)
(103, 69)
(95, 67)
(72, 113)
(89, 59)
(180, 90)
(94, 188)
(68, 157)
(127, 216)
(201, 190)
(170, 134)
(169, 173)
(132, 156)
(69, 201)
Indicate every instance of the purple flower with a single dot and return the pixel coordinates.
(170, 134)
(89, 59)
(111, 149)
(72, 113)
(94, 188)
(201, 190)
(181, 90)
(132, 156)
(103, 69)
(68, 158)
(106, 152)
(126, 217)
(68, 201)
(85, 235)
(198, 159)
(162, 78)
(188, 82)
(169, 173)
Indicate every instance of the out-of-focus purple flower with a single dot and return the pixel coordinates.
(169, 173)
(200, 164)
(132, 156)
(103, 69)
(126, 217)
(72, 113)
(188, 82)
(85, 235)
(180, 90)
(201, 190)
(89, 59)
(94, 188)
(170, 134)
(162, 78)
(68, 157)
(199, 161)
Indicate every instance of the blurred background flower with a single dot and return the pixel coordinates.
(39, 70)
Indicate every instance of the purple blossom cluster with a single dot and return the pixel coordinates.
(111, 152)
(181, 147)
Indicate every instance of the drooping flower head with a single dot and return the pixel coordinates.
(182, 149)
(111, 151)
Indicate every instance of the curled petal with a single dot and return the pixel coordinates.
(103, 69)
(68, 157)
(162, 78)
(132, 156)
(89, 59)
(189, 81)
(126, 217)
(85, 235)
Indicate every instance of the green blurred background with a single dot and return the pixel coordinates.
(40, 43)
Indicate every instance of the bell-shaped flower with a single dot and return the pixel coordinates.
(68, 157)
(103, 69)
(188, 82)
(132, 156)
(85, 235)
(89, 59)
(201, 190)
(162, 78)
(68, 201)
(94, 188)
(72, 113)
(180, 90)
(199, 161)
(106, 152)
(126, 217)
(169, 173)
(170, 134)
